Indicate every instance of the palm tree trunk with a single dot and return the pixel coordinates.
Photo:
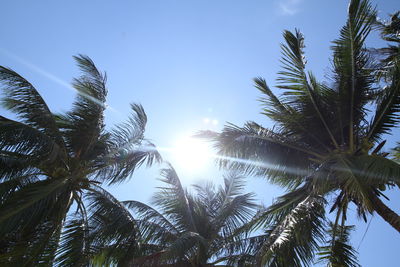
(385, 212)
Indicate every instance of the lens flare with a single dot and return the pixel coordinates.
(191, 154)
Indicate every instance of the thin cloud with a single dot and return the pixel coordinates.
(289, 7)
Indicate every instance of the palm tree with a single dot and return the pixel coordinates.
(201, 227)
(50, 163)
(325, 144)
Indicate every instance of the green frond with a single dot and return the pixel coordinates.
(38, 250)
(20, 140)
(174, 201)
(7, 188)
(36, 199)
(191, 227)
(127, 149)
(113, 231)
(255, 150)
(183, 247)
(148, 214)
(353, 78)
(31, 237)
(389, 55)
(109, 220)
(359, 175)
(16, 169)
(242, 252)
(387, 112)
(85, 123)
(339, 253)
(235, 208)
(289, 119)
(299, 94)
(273, 107)
(25, 101)
(376, 170)
(293, 238)
(73, 248)
(130, 134)
(119, 167)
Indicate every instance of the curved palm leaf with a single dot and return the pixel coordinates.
(24, 100)
(339, 253)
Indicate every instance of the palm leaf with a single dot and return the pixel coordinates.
(235, 208)
(23, 99)
(339, 253)
(290, 119)
(34, 198)
(293, 79)
(249, 149)
(110, 221)
(293, 239)
(84, 124)
(128, 149)
(174, 201)
(353, 78)
(146, 213)
(73, 250)
(386, 114)
(25, 142)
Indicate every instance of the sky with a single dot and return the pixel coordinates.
(189, 63)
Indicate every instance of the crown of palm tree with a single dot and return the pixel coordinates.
(203, 227)
(49, 163)
(325, 142)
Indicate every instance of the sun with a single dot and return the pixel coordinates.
(191, 154)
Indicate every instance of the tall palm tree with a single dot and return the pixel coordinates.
(325, 144)
(201, 227)
(49, 163)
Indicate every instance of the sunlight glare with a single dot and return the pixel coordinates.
(192, 154)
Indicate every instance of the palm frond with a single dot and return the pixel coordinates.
(36, 199)
(73, 248)
(109, 220)
(146, 213)
(36, 248)
(84, 124)
(23, 99)
(291, 121)
(253, 149)
(183, 247)
(389, 55)
(376, 170)
(130, 134)
(353, 78)
(127, 150)
(235, 208)
(299, 93)
(33, 234)
(174, 201)
(293, 239)
(387, 112)
(32, 146)
(339, 253)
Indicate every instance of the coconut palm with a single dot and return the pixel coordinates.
(325, 145)
(201, 227)
(49, 163)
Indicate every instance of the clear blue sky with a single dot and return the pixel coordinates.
(183, 61)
